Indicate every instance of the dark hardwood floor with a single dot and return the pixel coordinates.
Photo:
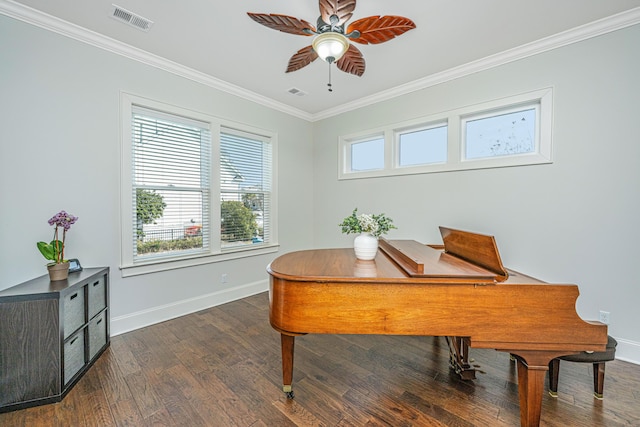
(221, 367)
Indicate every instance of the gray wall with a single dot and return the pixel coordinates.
(573, 221)
(60, 149)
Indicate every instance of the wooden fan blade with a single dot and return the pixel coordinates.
(352, 61)
(302, 58)
(284, 23)
(343, 9)
(379, 29)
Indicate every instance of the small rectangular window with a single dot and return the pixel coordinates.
(422, 146)
(367, 155)
(506, 133)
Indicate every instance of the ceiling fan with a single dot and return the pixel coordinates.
(332, 41)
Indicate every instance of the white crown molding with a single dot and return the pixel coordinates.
(584, 32)
(48, 22)
(56, 25)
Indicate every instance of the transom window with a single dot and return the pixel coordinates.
(422, 146)
(367, 155)
(508, 132)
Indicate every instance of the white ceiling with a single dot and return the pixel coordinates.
(217, 43)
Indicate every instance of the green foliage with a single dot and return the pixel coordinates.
(50, 251)
(154, 246)
(351, 224)
(149, 205)
(238, 221)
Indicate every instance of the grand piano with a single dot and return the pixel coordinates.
(458, 289)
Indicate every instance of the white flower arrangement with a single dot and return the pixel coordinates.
(376, 225)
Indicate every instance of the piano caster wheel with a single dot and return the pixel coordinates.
(288, 391)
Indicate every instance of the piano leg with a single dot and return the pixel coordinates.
(532, 368)
(287, 342)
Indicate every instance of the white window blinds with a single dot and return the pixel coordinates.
(245, 189)
(171, 185)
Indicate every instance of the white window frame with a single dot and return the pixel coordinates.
(542, 100)
(215, 253)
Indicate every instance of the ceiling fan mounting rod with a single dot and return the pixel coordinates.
(323, 27)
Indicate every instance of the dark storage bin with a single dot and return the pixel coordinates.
(97, 296)
(97, 334)
(73, 308)
(73, 355)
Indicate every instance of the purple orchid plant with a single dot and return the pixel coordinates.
(54, 251)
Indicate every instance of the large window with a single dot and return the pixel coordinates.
(195, 188)
(512, 131)
(245, 189)
(170, 189)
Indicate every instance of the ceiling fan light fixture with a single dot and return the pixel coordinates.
(330, 42)
(330, 46)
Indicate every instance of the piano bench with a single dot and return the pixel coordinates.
(597, 358)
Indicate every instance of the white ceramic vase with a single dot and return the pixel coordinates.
(365, 246)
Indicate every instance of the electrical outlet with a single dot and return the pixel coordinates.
(604, 317)
(224, 278)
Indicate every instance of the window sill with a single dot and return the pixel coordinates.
(158, 265)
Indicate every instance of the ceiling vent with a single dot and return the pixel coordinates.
(297, 92)
(131, 18)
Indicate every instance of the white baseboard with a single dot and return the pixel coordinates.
(628, 351)
(140, 319)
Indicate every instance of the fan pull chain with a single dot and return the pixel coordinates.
(329, 84)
